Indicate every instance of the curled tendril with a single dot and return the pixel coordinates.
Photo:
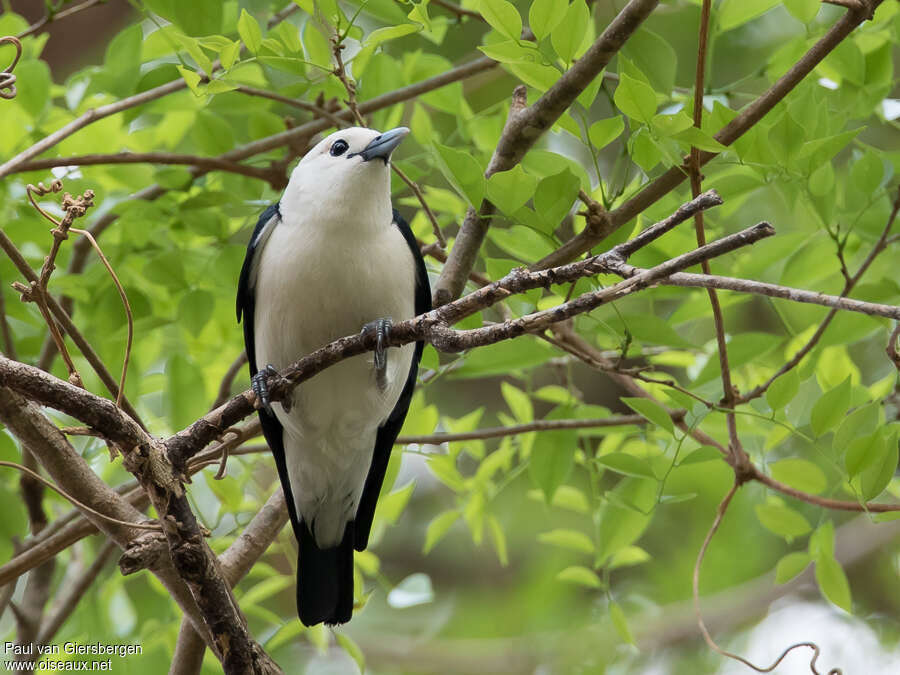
(7, 79)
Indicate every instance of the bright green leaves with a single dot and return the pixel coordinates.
(569, 33)
(502, 16)
(551, 459)
(782, 520)
(734, 13)
(510, 190)
(829, 574)
(462, 171)
(581, 576)
(250, 32)
(654, 56)
(801, 474)
(783, 390)
(829, 410)
(652, 411)
(200, 17)
(635, 98)
(604, 132)
(790, 566)
(554, 197)
(545, 15)
(570, 539)
(803, 10)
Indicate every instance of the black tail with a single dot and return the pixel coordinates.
(325, 579)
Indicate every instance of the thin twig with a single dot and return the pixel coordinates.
(228, 379)
(66, 323)
(737, 127)
(849, 283)
(128, 315)
(7, 77)
(55, 16)
(738, 456)
(435, 226)
(516, 429)
(720, 514)
(84, 507)
(686, 279)
(9, 344)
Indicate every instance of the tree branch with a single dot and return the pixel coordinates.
(273, 176)
(727, 135)
(524, 126)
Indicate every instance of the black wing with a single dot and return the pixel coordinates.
(246, 305)
(387, 433)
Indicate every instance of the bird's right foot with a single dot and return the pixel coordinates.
(261, 388)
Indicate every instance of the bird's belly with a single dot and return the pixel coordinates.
(317, 289)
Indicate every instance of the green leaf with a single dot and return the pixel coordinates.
(582, 576)
(266, 589)
(782, 520)
(783, 390)
(862, 421)
(438, 527)
(195, 310)
(653, 55)
(604, 132)
(186, 392)
(570, 539)
(863, 452)
(555, 195)
(551, 459)
(635, 98)
(876, 477)
(652, 411)
(568, 34)
(380, 35)
(833, 582)
(510, 190)
(620, 623)
(803, 10)
(502, 16)
(250, 32)
(519, 403)
(545, 15)
(198, 17)
(192, 79)
(624, 463)
(801, 474)
(503, 358)
(498, 537)
(831, 408)
(33, 86)
(790, 566)
(733, 13)
(867, 172)
(628, 557)
(462, 171)
(353, 649)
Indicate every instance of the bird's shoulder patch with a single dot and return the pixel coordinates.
(264, 226)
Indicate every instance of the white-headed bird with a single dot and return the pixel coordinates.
(328, 260)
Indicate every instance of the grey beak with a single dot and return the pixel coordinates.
(382, 146)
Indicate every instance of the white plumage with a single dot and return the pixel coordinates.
(334, 263)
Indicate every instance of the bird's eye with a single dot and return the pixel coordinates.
(339, 147)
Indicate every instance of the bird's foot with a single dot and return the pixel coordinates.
(382, 329)
(261, 388)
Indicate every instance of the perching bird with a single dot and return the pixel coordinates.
(330, 259)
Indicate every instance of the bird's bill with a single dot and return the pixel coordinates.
(382, 146)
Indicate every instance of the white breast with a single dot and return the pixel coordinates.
(314, 285)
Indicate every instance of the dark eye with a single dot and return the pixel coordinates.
(339, 147)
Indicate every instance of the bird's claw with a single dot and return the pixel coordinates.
(382, 329)
(261, 387)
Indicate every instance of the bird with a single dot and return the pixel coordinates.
(333, 258)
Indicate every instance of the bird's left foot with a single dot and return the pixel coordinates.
(382, 329)
(261, 388)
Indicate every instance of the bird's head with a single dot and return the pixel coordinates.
(346, 172)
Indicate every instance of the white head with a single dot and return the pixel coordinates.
(344, 178)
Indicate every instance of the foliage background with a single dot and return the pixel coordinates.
(523, 553)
